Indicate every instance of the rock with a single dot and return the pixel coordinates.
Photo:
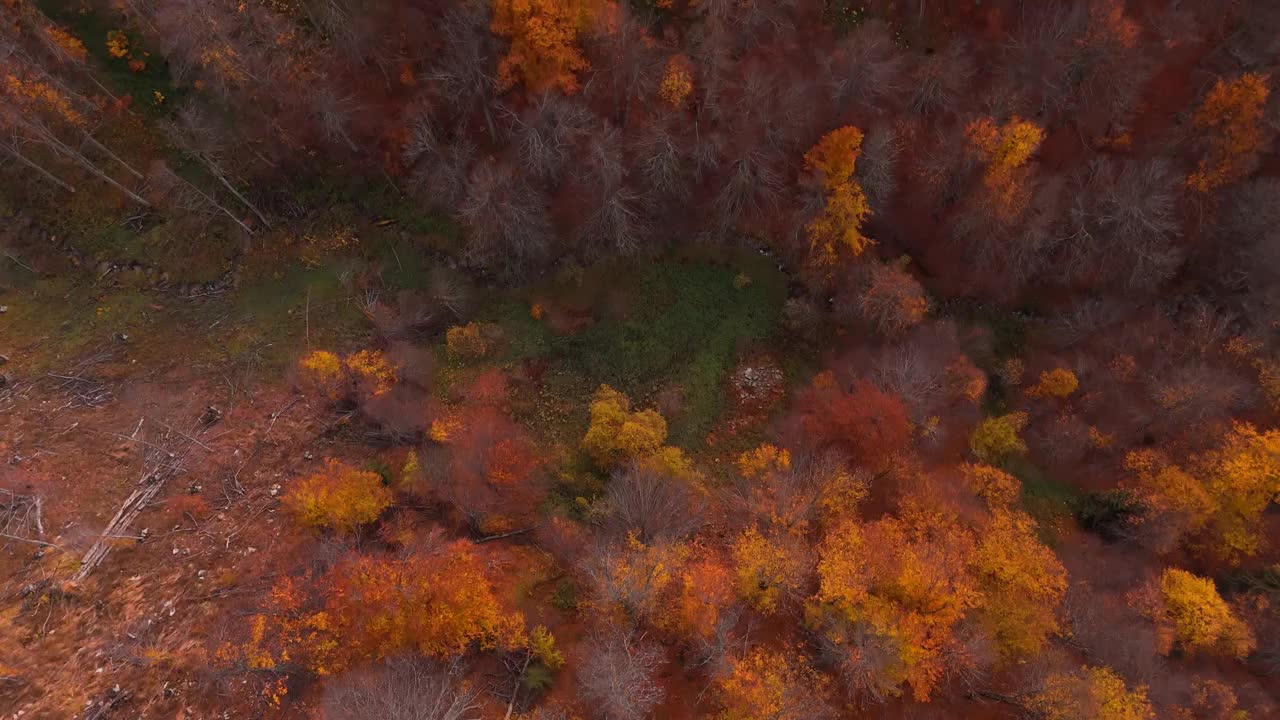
(275, 490)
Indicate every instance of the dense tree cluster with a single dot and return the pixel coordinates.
(1012, 441)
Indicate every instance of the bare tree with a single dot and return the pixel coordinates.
(333, 113)
(656, 506)
(867, 70)
(627, 59)
(1079, 58)
(877, 166)
(201, 139)
(1121, 225)
(616, 225)
(465, 70)
(547, 134)
(437, 165)
(940, 78)
(751, 187)
(661, 158)
(617, 678)
(402, 689)
(507, 219)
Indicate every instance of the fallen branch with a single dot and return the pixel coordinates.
(513, 533)
(30, 540)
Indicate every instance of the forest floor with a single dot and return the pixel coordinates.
(102, 369)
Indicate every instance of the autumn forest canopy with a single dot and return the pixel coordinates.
(631, 359)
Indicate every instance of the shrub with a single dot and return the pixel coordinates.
(339, 497)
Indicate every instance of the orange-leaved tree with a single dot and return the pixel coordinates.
(338, 497)
(1057, 383)
(778, 686)
(1231, 119)
(864, 422)
(544, 38)
(890, 594)
(838, 228)
(486, 466)
(1005, 149)
(701, 591)
(997, 487)
(439, 604)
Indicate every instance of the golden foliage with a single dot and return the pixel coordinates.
(1231, 116)
(543, 646)
(321, 371)
(1092, 693)
(677, 81)
(754, 464)
(1022, 582)
(374, 373)
(117, 44)
(996, 438)
(1197, 617)
(766, 568)
(1221, 493)
(339, 497)
(1006, 150)
(839, 226)
(617, 434)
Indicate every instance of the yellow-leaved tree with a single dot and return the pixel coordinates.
(618, 434)
(1218, 496)
(1191, 615)
(838, 228)
(1022, 583)
(1091, 693)
(339, 497)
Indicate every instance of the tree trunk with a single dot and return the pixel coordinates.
(103, 149)
(43, 173)
(231, 188)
